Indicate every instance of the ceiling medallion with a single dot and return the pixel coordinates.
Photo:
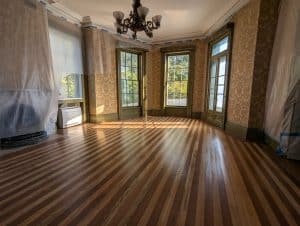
(136, 21)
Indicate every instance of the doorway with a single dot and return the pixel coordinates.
(129, 84)
(219, 60)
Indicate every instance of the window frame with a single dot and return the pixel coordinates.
(139, 78)
(172, 110)
(167, 55)
(219, 119)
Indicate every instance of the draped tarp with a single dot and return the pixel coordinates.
(28, 101)
(284, 72)
(100, 47)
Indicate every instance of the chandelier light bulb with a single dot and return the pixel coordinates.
(143, 12)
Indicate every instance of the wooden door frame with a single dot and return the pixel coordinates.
(178, 110)
(132, 111)
(225, 31)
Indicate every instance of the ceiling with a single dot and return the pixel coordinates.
(181, 18)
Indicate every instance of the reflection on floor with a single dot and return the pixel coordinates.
(163, 171)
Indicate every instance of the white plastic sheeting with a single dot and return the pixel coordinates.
(100, 48)
(28, 101)
(284, 71)
(66, 48)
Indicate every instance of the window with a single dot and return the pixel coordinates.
(177, 80)
(218, 73)
(71, 87)
(220, 47)
(67, 62)
(129, 79)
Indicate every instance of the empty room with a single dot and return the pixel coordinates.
(148, 112)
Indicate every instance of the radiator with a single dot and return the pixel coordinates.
(69, 116)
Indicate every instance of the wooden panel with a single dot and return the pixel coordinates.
(163, 171)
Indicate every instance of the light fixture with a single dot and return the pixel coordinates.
(136, 21)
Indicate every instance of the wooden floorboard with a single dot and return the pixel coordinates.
(159, 171)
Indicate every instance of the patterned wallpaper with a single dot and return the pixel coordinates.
(200, 76)
(242, 63)
(154, 79)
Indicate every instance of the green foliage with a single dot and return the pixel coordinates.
(178, 67)
(69, 85)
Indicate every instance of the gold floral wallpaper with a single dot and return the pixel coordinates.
(242, 63)
(154, 79)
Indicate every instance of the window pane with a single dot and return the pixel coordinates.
(171, 75)
(124, 86)
(211, 101)
(222, 66)
(212, 82)
(171, 61)
(178, 75)
(123, 59)
(185, 75)
(134, 74)
(71, 87)
(123, 72)
(184, 89)
(219, 107)
(213, 70)
(124, 100)
(136, 100)
(128, 59)
(220, 46)
(221, 80)
(130, 100)
(134, 60)
(135, 87)
(220, 90)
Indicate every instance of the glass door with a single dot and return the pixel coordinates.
(217, 85)
(129, 77)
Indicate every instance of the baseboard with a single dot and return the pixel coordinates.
(236, 130)
(155, 112)
(197, 115)
(104, 118)
(244, 133)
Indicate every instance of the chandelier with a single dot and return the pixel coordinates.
(136, 21)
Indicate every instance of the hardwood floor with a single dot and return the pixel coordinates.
(166, 171)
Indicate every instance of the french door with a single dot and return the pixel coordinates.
(217, 83)
(130, 84)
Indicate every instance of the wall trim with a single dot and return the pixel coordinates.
(103, 117)
(197, 115)
(236, 130)
(155, 112)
